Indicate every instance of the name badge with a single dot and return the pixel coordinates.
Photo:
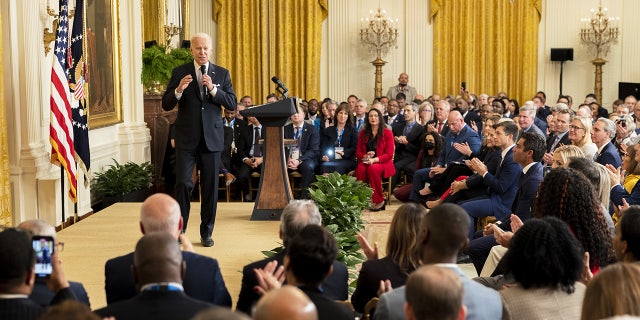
(338, 149)
(295, 153)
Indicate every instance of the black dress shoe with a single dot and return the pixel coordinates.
(384, 206)
(206, 242)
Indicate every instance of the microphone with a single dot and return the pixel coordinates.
(280, 84)
(203, 69)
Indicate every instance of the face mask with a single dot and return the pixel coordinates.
(429, 145)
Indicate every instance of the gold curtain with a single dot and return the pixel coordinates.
(258, 39)
(6, 218)
(492, 45)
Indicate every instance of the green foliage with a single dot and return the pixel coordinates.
(157, 64)
(120, 179)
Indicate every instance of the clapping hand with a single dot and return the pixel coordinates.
(369, 252)
(270, 277)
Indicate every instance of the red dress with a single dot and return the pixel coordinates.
(373, 173)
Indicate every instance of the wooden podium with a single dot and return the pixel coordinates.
(274, 192)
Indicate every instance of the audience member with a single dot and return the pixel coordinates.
(41, 294)
(598, 176)
(287, 302)
(425, 113)
(434, 293)
(614, 291)
(375, 156)
(439, 123)
(295, 216)
(407, 137)
(580, 136)
(158, 270)
(338, 146)
(560, 135)
(220, 313)
(202, 279)
(17, 274)
(546, 261)
(393, 113)
(526, 122)
(304, 156)
(443, 235)
(627, 239)
(603, 131)
(70, 310)
(401, 258)
(251, 153)
(562, 154)
(431, 147)
(620, 193)
(402, 87)
(360, 114)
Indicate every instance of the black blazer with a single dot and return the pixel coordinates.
(328, 309)
(309, 141)
(202, 279)
(156, 305)
(415, 137)
(563, 141)
(43, 296)
(445, 127)
(197, 117)
(334, 286)
(349, 141)
(244, 141)
(371, 273)
(27, 309)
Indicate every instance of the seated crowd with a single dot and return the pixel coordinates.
(560, 188)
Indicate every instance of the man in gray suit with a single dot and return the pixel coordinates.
(444, 233)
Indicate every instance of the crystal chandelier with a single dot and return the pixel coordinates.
(379, 33)
(599, 31)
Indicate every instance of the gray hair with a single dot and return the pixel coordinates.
(295, 216)
(609, 126)
(38, 228)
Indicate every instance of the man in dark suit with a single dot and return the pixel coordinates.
(307, 263)
(559, 136)
(528, 153)
(250, 153)
(41, 294)
(526, 119)
(295, 216)
(460, 133)
(158, 268)
(17, 265)
(201, 90)
(603, 131)
(202, 280)
(408, 136)
(439, 124)
(502, 187)
(305, 155)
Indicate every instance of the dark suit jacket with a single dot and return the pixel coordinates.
(414, 137)
(609, 155)
(445, 127)
(198, 117)
(27, 309)
(450, 154)
(371, 273)
(491, 159)
(328, 309)
(156, 305)
(334, 286)
(473, 117)
(503, 185)
(202, 279)
(527, 190)
(618, 193)
(399, 119)
(245, 141)
(43, 296)
(309, 141)
(349, 142)
(563, 141)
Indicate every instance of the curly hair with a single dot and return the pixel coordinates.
(403, 236)
(568, 195)
(544, 254)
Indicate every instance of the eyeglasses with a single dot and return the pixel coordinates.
(575, 128)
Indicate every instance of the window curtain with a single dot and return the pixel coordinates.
(259, 39)
(6, 218)
(492, 45)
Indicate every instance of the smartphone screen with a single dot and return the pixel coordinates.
(43, 247)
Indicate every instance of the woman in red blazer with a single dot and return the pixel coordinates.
(375, 156)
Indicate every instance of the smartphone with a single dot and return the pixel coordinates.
(43, 246)
(463, 85)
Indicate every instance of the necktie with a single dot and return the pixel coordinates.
(359, 124)
(256, 142)
(555, 144)
(439, 127)
(203, 70)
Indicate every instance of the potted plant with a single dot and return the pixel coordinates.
(129, 182)
(157, 64)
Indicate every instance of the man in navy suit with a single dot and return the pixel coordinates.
(304, 156)
(201, 90)
(408, 136)
(528, 153)
(41, 294)
(295, 216)
(202, 279)
(603, 131)
(158, 268)
(459, 132)
(502, 187)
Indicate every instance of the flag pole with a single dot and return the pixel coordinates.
(62, 193)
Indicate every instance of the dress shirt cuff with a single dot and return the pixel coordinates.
(614, 186)
(485, 173)
(178, 94)
(213, 91)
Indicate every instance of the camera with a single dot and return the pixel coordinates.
(43, 246)
(622, 121)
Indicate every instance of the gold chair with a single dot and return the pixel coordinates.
(370, 308)
(253, 188)
(293, 177)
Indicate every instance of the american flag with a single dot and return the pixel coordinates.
(60, 128)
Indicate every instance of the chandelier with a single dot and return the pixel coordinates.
(379, 33)
(599, 31)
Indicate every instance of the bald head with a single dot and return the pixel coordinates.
(38, 228)
(434, 293)
(160, 212)
(157, 259)
(287, 302)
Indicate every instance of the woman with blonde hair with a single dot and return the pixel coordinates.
(425, 113)
(562, 154)
(614, 291)
(402, 255)
(580, 135)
